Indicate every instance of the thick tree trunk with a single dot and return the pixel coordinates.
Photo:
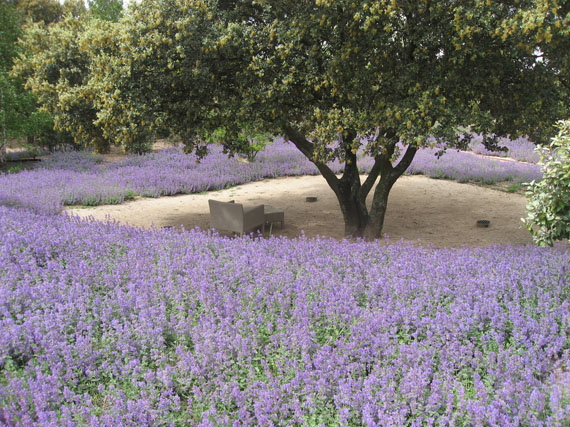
(350, 192)
(353, 209)
(388, 177)
(102, 145)
(379, 205)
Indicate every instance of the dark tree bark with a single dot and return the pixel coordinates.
(2, 152)
(388, 176)
(350, 192)
(353, 208)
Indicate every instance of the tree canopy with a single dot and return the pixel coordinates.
(58, 62)
(19, 113)
(336, 77)
(49, 11)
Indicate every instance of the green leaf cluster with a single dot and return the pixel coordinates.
(107, 10)
(18, 111)
(10, 21)
(18, 114)
(46, 11)
(548, 205)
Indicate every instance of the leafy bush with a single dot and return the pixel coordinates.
(253, 147)
(549, 200)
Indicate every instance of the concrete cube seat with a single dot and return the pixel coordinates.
(236, 218)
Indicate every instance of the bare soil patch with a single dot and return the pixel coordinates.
(437, 212)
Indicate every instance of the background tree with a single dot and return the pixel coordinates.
(129, 108)
(107, 10)
(56, 63)
(75, 8)
(46, 11)
(336, 76)
(19, 113)
(49, 11)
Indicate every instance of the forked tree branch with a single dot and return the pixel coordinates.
(307, 148)
(406, 160)
(370, 180)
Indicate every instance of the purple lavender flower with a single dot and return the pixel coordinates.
(520, 149)
(108, 325)
(81, 178)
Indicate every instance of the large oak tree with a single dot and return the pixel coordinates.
(338, 76)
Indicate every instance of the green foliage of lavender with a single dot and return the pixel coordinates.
(81, 178)
(107, 325)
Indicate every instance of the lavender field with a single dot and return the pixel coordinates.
(82, 178)
(107, 325)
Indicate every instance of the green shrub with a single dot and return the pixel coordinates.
(514, 188)
(247, 143)
(549, 200)
(252, 147)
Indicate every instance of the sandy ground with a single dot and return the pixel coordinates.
(437, 212)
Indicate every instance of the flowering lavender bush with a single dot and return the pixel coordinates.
(107, 325)
(81, 178)
(77, 161)
(465, 167)
(519, 149)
